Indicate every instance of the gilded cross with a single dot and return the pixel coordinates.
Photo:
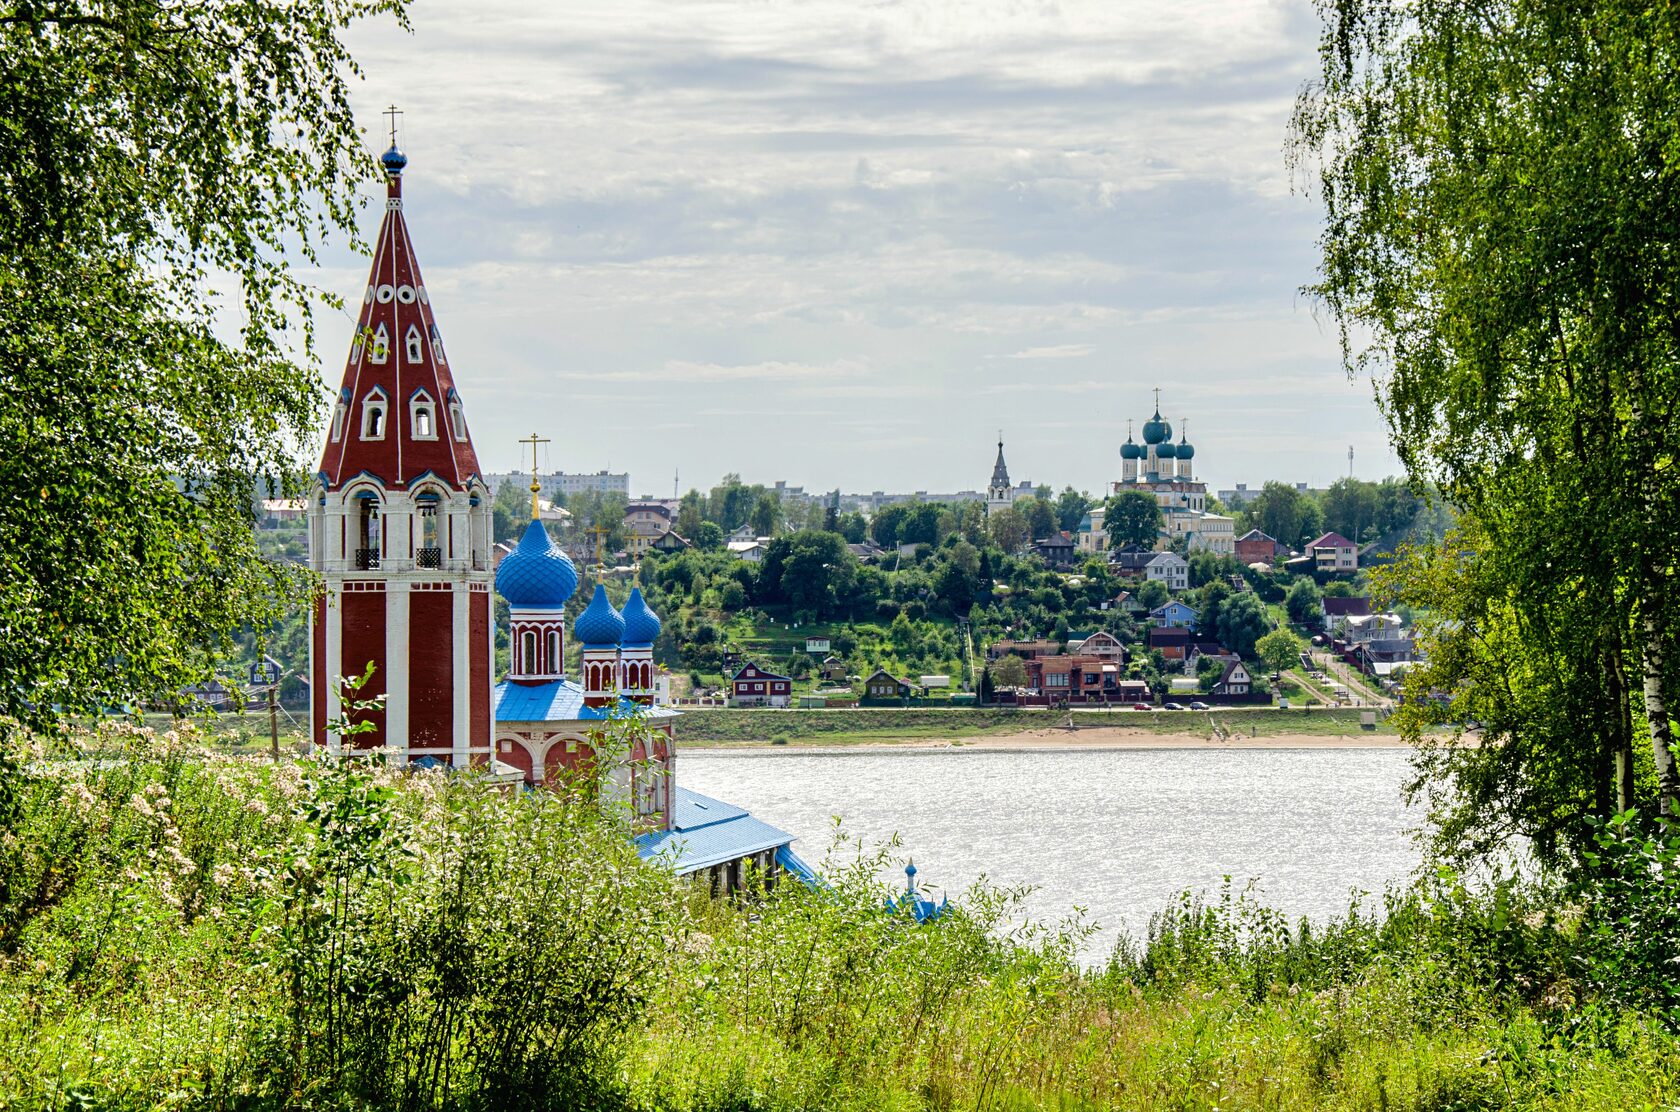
(392, 113)
(536, 488)
(600, 532)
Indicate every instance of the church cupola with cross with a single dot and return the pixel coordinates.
(400, 524)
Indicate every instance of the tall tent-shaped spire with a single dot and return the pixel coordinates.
(397, 414)
(1000, 470)
(400, 525)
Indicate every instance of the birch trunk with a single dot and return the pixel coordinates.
(1656, 712)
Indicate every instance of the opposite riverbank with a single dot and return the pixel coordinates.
(1262, 727)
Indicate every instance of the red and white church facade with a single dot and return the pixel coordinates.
(400, 532)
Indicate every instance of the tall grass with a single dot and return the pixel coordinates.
(181, 929)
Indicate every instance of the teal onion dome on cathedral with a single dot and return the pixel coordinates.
(1166, 450)
(599, 626)
(536, 574)
(641, 624)
(1131, 449)
(1155, 430)
(1186, 450)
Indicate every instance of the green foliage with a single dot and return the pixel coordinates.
(1152, 593)
(1242, 622)
(1630, 932)
(1287, 515)
(1304, 602)
(1280, 650)
(1132, 518)
(1009, 670)
(1523, 353)
(149, 155)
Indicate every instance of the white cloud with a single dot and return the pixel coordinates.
(779, 232)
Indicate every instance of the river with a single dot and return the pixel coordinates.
(1117, 832)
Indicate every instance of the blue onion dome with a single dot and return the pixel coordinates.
(1186, 450)
(393, 160)
(1131, 449)
(599, 625)
(536, 574)
(1166, 450)
(641, 624)
(1155, 430)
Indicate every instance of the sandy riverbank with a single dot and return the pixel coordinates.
(1090, 737)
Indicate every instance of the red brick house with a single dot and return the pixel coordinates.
(1084, 679)
(1255, 547)
(753, 686)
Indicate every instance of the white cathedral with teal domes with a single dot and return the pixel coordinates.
(1166, 470)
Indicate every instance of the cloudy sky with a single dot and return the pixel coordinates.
(844, 243)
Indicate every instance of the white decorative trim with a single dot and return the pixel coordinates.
(396, 666)
(385, 292)
(461, 639)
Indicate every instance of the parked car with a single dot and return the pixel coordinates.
(1199, 705)
(1175, 706)
(1142, 706)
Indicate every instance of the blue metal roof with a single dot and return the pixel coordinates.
(706, 832)
(561, 701)
(641, 624)
(599, 626)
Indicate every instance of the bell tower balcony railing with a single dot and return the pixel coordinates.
(367, 559)
(428, 558)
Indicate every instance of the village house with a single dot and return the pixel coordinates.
(644, 523)
(832, 669)
(1338, 609)
(1255, 547)
(670, 541)
(1132, 561)
(885, 685)
(1171, 569)
(751, 551)
(1026, 650)
(1100, 644)
(1172, 642)
(815, 645)
(1079, 678)
(1334, 554)
(753, 686)
(1235, 680)
(1173, 613)
(1056, 550)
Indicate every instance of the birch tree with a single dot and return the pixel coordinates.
(1502, 255)
(162, 165)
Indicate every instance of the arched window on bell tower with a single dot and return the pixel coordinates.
(555, 664)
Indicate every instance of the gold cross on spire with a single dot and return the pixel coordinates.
(536, 488)
(1157, 399)
(392, 113)
(600, 532)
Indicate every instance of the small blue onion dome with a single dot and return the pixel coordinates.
(641, 624)
(393, 160)
(1186, 450)
(1131, 449)
(599, 626)
(1166, 450)
(1155, 430)
(536, 574)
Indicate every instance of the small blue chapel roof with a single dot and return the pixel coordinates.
(706, 832)
(562, 701)
(641, 624)
(599, 625)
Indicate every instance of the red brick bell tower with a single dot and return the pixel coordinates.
(400, 524)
